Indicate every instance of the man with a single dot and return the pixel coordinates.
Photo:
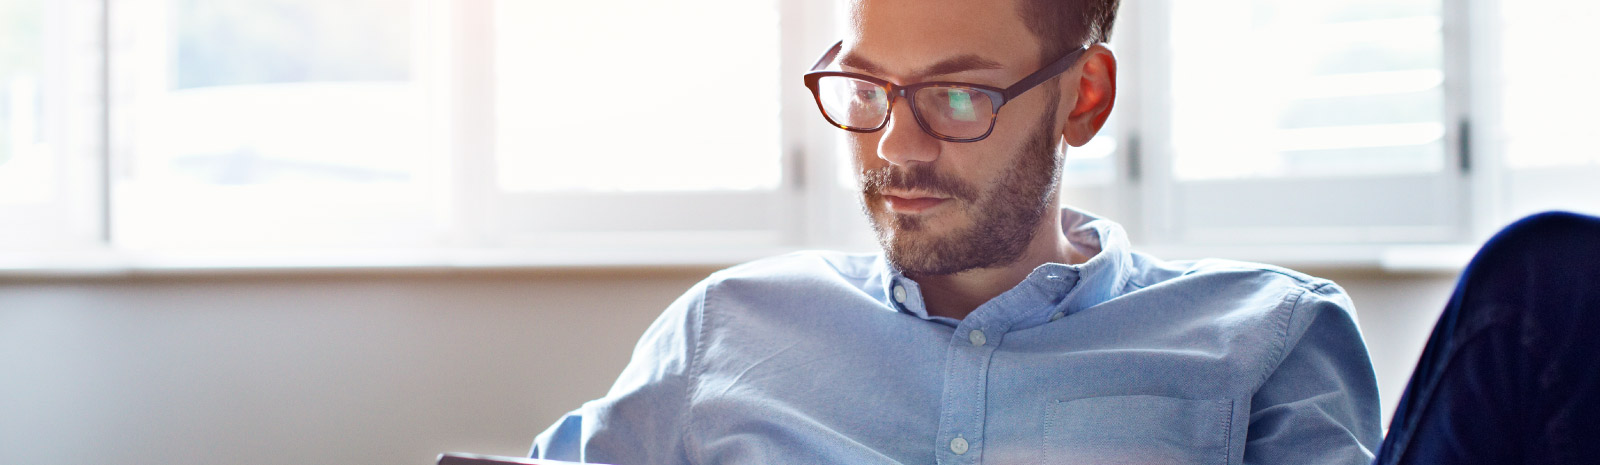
(994, 327)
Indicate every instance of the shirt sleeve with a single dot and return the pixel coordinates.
(1319, 405)
(641, 420)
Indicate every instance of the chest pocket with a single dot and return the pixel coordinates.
(1144, 430)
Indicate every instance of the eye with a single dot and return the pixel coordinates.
(959, 100)
(957, 104)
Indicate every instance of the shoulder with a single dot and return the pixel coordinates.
(1275, 286)
(1285, 303)
(1296, 292)
(1152, 271)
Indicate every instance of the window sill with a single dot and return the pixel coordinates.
(1444, 258)
(118, 263)
(1393, 258)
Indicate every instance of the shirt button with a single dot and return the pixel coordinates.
(1057, 316)
(976, 337)
(899, 293)
(958, 445)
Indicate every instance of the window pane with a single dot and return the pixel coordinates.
(1272, 88)
(1548, 102)
(637, 95)
(252, 119)
(27, 165)
(282, 92)
(1550, 95)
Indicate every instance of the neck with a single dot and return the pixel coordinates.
(956, 295)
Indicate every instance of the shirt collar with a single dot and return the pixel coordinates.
(1052, 290)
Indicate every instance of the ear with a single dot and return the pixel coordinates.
(1089, 93)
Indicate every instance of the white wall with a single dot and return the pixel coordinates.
(308, 369)
(378, 368)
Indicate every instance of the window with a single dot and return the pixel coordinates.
(664, 122)
(26, 162)
(641, 128)
(1548, 103)
(49, 112)
(660, 86)
(256, 123)
(1350, 88)
(384, 123)
(1296, 122)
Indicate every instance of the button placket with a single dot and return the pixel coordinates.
(971, 351)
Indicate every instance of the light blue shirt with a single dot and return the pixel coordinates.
(821, 358)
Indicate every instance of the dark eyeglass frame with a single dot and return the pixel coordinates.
(997, 96)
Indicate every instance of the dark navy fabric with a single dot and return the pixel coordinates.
(1511, 373)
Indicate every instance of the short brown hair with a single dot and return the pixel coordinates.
(1063, 25)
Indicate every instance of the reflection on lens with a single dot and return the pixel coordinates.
(955, 112)
(853, 103)
(961, 106)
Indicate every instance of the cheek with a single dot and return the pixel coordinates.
(1009, 146)
(1026, 115)
(981, 163)
(864, 149)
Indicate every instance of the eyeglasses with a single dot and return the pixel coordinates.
(948, 111)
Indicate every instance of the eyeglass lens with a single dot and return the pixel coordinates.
(949, 111)
(956, 112)
(853, 103)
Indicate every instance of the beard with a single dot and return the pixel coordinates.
(1002, 219)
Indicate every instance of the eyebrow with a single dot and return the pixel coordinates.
(952, 65)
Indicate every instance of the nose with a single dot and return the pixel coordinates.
(902, 141)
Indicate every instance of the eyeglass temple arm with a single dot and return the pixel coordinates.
(828, 57)
(1044, 74)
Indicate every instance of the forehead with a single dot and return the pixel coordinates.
(908, 34)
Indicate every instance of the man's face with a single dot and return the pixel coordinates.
(944, 207)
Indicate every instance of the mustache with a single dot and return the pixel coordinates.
(918, 178)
